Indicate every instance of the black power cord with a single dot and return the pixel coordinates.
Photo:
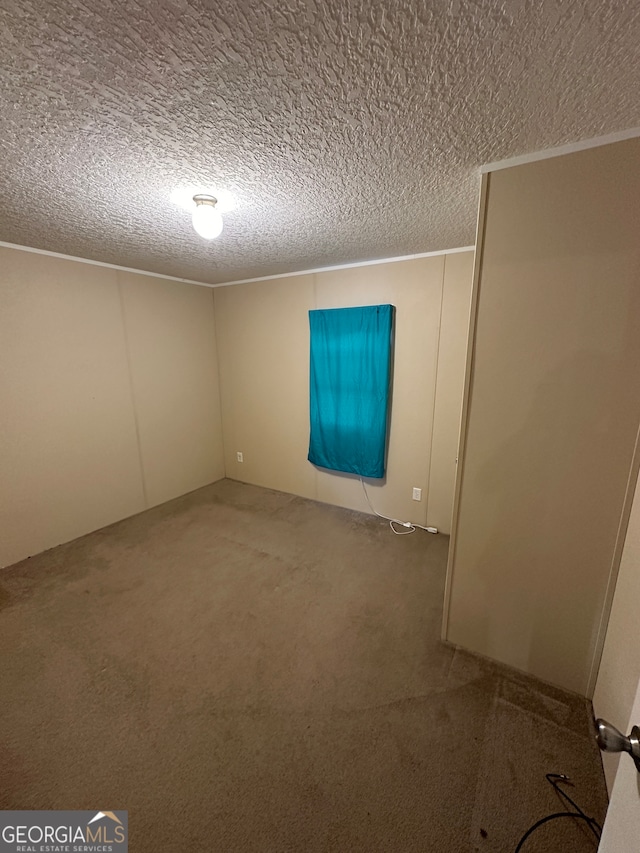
(555, 779)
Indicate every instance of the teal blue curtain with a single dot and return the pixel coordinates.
(350, 377)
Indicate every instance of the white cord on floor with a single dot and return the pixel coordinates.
(410, 526)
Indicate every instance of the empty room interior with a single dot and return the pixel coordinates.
(319, 418)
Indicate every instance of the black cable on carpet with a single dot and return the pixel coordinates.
(555, 779)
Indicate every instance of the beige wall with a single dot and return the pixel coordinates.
(553, 413)
(111, 402)
(174, 378)
(620, 666)
(108, 383)
(454, 332)
(264, 382)
(263, 342)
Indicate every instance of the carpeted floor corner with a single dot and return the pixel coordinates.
(246, 671)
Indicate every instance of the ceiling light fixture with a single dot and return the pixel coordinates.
(207, 221)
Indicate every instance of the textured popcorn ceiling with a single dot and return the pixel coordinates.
(345, 130)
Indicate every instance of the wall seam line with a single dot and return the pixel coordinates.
(134, 406)
(315, 306)
(435, 397)
(215, 332)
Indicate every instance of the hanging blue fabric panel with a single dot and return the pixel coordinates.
(349, 387)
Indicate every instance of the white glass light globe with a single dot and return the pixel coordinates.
(207, 221)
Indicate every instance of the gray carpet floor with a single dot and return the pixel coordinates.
(244, 670)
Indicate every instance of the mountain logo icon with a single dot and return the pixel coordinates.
(100, 815)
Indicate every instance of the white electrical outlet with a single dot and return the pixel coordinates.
(239, 457)
(417, 494)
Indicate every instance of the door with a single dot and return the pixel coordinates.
(622, 827)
